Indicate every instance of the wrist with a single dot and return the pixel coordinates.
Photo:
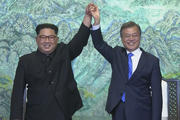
(87, 21)
(96, 21)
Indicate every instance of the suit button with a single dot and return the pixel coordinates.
(49, 71)
(52, 82)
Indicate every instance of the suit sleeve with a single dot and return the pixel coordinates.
(16, 109)
(79, 41)
(101, 45)
(156, 91)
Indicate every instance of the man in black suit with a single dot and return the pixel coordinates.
(52, 91)
(135, 89)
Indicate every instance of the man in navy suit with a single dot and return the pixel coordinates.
(135, 89)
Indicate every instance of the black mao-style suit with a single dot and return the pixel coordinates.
(52, 90)
(143, 89)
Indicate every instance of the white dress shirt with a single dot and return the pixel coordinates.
(95, 27)
(135, 58)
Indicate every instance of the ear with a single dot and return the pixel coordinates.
(57, 38)
(36, 39)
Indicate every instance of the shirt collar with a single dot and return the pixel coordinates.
(44, 57)
(135, 52)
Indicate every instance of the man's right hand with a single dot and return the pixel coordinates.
(94, 11)
(87, 18)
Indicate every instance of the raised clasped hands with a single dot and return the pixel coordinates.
(94, 11)
(91, 11)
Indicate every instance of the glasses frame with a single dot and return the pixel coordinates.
(49, 37)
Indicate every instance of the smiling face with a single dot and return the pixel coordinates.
(131, 38)
(47, 40)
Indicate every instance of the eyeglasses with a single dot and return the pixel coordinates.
(50, 37)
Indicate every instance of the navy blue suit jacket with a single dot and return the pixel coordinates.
(143, 90)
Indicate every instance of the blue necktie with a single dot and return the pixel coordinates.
(129, 72)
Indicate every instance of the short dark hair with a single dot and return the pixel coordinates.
(128, 25)
(46, 25)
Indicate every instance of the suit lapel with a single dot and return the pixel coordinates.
(141, 64)
(125, 63)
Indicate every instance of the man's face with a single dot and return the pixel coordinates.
(131, 38)
(47, 40)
